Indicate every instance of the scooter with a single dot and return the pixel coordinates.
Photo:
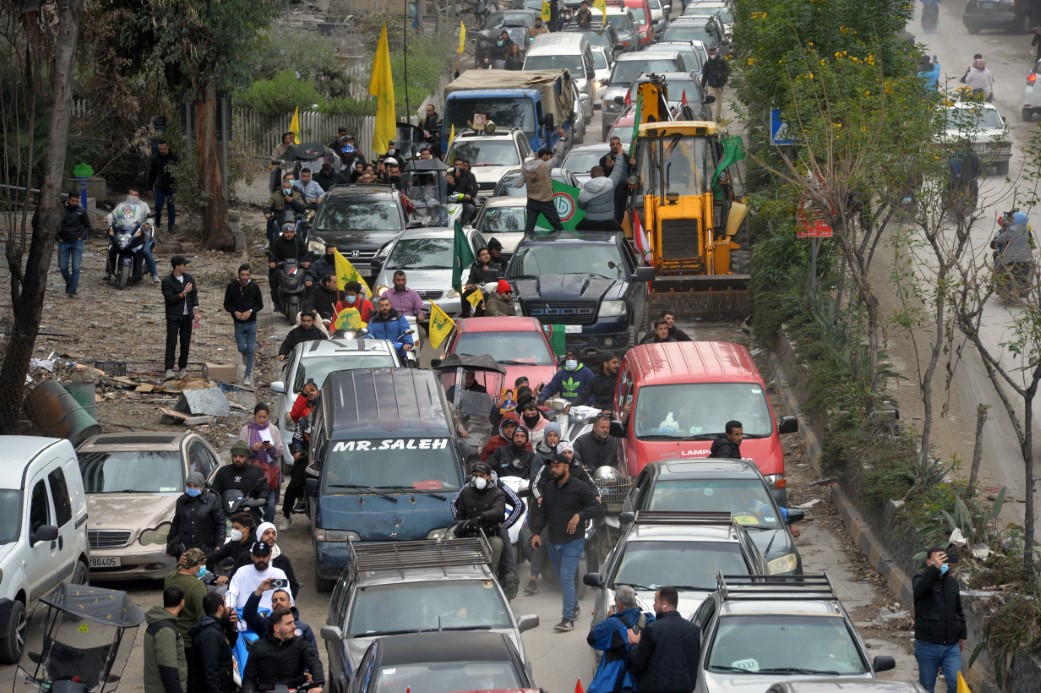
(291, 287)
(930, 16)
(128, 240)
(243, 645)
(520, 486)
(235, 501)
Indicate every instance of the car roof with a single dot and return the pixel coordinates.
(682, 362)
(598, 237)
(506, 201)
(827, 607)
(379, 402)
(721, 533)
(443, 646)
(134, 441)
(712, 467)
(18, 452)
(375, 191)
(498, 324)
(329, 347)
(598, 147)
(633, 57)
(425, 575)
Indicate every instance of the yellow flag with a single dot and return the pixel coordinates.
(462, 36)
(602, 6)
(440, 325)
(381, 85)
(547, 14)
(962, 686)
(451, 139)
(345, 272)
(294, 125)
(475, 298)
(349, 319)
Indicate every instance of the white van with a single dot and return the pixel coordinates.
(43, 529)
(565, 51)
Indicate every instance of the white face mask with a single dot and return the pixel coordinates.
(133, 199)
(480, 483)
(571, 364)
(236, 535)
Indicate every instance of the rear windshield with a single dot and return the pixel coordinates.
(626, 71)
(572, 63)
(390, 464)
(619, 22)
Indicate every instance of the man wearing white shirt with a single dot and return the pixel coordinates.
(248, 578)
(132, 212)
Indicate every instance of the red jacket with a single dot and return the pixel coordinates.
(500, 440)
(301, 408)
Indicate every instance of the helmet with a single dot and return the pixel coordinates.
(605, 473)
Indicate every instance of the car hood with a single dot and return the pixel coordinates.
(133, 511)
(346, 239)
(491, 174)
(689, 600)
(568, 287)
(375, 518)
(421, 280)
(751, 683)
(774, 543)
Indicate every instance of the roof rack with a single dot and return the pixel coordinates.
(676, 517)
(774, 587)
(430, 553)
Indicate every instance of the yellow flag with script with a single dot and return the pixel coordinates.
(475, 298)
(345, 272)
(602, 6)
(441, 325)
(462, 37)
(349, 319)
(294, 125)
(547, 14)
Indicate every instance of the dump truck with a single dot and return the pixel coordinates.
(683, 194)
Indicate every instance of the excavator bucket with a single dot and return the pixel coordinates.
(717, 297)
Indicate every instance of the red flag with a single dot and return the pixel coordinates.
(643, 246)
(578, 686)
(628, 99)
(683, 99)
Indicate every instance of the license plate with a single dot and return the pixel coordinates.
(105, 562)
(572, 329)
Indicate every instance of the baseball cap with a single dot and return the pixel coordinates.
(390, 161)
(261, 549)
(482, 467)
(179, 260)
(558, 459)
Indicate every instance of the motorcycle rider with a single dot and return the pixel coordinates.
(283, 206)
(354, 297)
(323, 298)
(598, 448)
(240, 538)
(979, 78)
(306, 331)
(482, 506)
(258, 622)
(1013, 258)
(462, 182)
(546, 448)
(599, 392)
(287, 246)
(403, 299)
(322, 265)
(963, 189)
(309, 189)
(516, 458)
(241, 476)
(282, 658)
(389, 324)
(327, 177)
(198, 521)
(568, 381)
(506, 427)
(132, 212)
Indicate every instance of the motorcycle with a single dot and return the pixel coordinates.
(463, 529)
(128, 240)
(235, 501)
(1011, 280)
(930, 16)
(291, 287)
(243, 645)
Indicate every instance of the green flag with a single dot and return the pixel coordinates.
(636, 123)
(565, 198)
(462, 257)
(733, 151)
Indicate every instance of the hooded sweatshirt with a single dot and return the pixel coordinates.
(278, 559)
(166, 670)
(1013, 242)
(513, 459)
(568, 383)
(537, 176)
(979, 76)
(502, 439)
(597, 196)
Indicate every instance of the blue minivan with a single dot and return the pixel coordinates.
(389, 466)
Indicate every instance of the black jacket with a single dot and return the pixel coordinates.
(678, 334)
(666, 658)
(652, 338)
(75, 224)
(597, 453)
(715, 72)
(559, 505)
(257, 621)
(322, 266)
(198, 523)
(159, 173)
(273, 661)
(480, 275)
(509, 461)
(723, 447)
(465, 183)
(938, 616)
(284, 249)
(488, 507)
(598, 392)
(172, 289)
(210, 668)
(238, 298)
(323, 301)
(250, 480)
(328, 181)
(299, 334)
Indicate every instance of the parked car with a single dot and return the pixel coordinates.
(503, 218)
(582, 159)
(43, 530)
(359, 220)
(518, 343)
(1011, 16)
(133, 481)
(697, 28)
(983, 125)
(425, 255)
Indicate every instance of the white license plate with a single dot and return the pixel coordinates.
(572, 329)
(105, 562)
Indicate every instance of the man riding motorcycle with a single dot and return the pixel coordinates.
(388, 324)
(1013, 257)
(241, 476)
(282, 207)
(282, 658)
(287, 246)
(132, 212)
(482, 505)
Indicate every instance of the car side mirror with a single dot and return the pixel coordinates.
(626, 518)
(278, 386)
(331, 633)
(590, 74)
(311, 488)
(789, 424)
(796, 516)
(617, 429)
(883, 663)
(527, 622)
(547, 120)
(435, 363)
(593, 580)
(620, 100)
(376, 263)
(44, 533)
(644, 274)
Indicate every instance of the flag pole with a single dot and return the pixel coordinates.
(408, 110)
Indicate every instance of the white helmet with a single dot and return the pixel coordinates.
(605, 473)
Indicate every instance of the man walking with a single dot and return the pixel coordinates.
(161, 181)
(610, 636)
(74, 229)
(166, 670)
(536, 175)
(211, 663)
(243, 299)
(714, 77)
(664, 656)
(182, 307)
(728, 446)
(939, 622)
(568, 504)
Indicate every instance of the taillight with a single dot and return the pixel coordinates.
(1031, 78)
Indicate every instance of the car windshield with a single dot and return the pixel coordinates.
(638, 15)
(497, 20)
(10, 515)
(623, 131)
(689, 32)
(682, 161)
(421, 253)
(581, 161)
(446, 677)
(420, 606)
(502, 219)
(692, 565)
(508, 348)
(318, 368)
(345, 214)
(971, 119)
(796, 645)
(358, 466)
(500, 152)
(747, 499)
(571, 63)
(594, 259)
(619, 22)
(599, 60)
(131, 471)
(677, 87)
(701, 410)
(626, 71)
(504, 112)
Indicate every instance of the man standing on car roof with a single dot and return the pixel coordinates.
(537, 177)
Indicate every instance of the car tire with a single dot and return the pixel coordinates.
(81, 575)
(1001, 168)
(1027, 114)
(12, 640)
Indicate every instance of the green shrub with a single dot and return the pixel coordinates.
(281, 94)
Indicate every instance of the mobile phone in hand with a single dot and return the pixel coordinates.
(280, 583)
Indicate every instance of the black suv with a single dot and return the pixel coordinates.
(589, 282)
(359, 220)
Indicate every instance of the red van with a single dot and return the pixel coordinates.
(673, 399)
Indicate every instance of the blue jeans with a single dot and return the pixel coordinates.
(271, 505)
(564, 558)
(245, 340)
(932, 657)
(70, 256)
(146, 250)
(165, 196)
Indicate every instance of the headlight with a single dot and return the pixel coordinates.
(155, 536)
(379, 289)
(611, 309)
(783, 565)
(335, 535)
(316, 245)
(776, 480)
(452, 293)
(440, 534)
(123, 241)
(611, 105)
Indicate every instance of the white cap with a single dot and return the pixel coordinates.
(390, 161)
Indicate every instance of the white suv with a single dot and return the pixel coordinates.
(43, 529)
(491, 156)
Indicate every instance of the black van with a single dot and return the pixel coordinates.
(389, 463)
